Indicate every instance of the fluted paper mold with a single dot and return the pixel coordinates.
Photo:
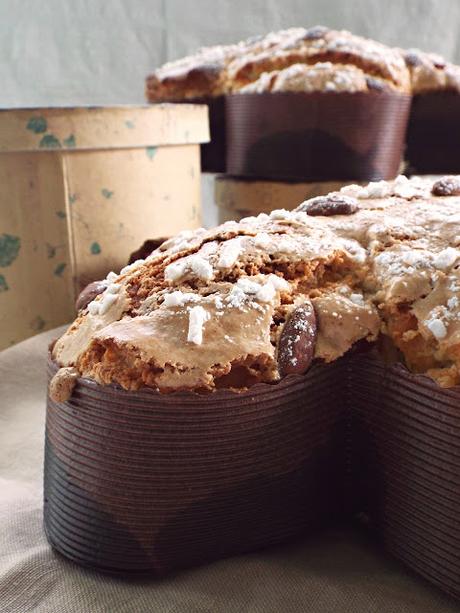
(319, 136)
(144, 482)
(433, 145)
(140, 481)
(406, 466)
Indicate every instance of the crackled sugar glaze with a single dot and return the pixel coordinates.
(219, 70)
(430, 72)
(300, 59)
(207, 308)
(320, 77)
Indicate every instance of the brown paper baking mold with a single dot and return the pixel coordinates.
(406, 466)
(317, 136)
(433, 145)
(144, 482)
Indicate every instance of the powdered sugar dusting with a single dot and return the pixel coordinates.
(106, 302)
(266, 293)
(178, 299)
(437, 328)
(248, 290)
(401, 187)
(197, 318)
(229, 253)
(262, 240)
(392, 267)
(194, 264)
(280, 215)
(446, 258)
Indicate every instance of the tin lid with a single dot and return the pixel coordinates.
(101, 127)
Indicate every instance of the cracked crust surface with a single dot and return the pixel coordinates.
(220, 70)
(320, 77)
(430, 72)
(207, 308)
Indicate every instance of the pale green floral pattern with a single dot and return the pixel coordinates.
(49, 141)
(3, 284)
(38, 125)
(9, 249)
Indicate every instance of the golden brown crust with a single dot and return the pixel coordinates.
(203, 73)
(185, 81)
(320, 77)
(430, 72)
(63, 383)
(207, 308)
(219, 70)
(336, 47)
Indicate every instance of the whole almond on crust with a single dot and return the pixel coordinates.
(315, 33)
(375, 84)
(89, 293)
(296, 346)
(447, 186)
(412, 59)
(62, 384)
(326, 206)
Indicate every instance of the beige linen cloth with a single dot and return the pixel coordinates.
(335, 572)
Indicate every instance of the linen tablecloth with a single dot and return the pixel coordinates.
(335, 572)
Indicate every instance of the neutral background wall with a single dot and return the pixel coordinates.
(99, 51)
(58, 52)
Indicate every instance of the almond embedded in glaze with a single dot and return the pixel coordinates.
(334, 204)
(63, 383)
(447, 186)
(391, 268)
(89, 293)
(296, 346)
